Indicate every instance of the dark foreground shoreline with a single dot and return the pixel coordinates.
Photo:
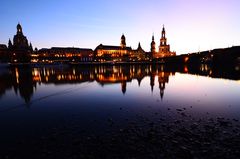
(179, 135)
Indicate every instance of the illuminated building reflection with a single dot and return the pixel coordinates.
(24, 81)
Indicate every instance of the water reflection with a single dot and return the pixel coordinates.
(25, 80)
(20, 80)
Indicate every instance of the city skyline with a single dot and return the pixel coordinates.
(87, 24)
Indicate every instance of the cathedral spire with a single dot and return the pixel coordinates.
(163, 32)
(30, 47)
(9, 43)
(139, 45)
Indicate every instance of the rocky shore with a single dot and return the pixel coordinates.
(178, 136)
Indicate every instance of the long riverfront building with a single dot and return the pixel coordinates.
(64, 55)
(119, 53)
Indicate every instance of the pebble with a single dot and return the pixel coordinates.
(235, 120)
(179, 110)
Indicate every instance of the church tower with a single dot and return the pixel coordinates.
(153, 45)
(123, 42)
(164, 48)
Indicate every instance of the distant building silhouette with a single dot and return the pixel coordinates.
(3, 53)
(20, 50)
(20, 41)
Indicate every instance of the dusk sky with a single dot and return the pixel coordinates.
(191, 25)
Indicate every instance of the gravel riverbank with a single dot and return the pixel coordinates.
(181, 136)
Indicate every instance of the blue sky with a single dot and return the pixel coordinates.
(191, 25)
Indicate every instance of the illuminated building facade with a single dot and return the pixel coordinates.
(60, 54)
(138, 55)
(113, 53)
(119, 53)
(164, 48)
